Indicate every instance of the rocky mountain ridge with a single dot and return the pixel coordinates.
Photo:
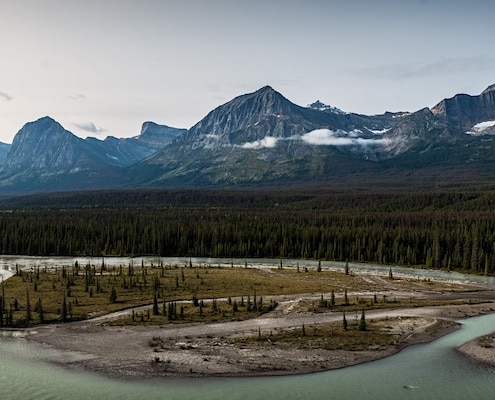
(44, 157)
(260, 138)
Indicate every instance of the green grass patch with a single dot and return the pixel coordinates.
(46, 295)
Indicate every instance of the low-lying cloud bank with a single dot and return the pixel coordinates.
(267, 142)
(318, 137)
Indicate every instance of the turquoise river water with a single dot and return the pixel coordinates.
(428, 371)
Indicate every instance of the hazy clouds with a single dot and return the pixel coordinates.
(267, 142)
(89, 128)
(319, 137)
(5, 96)
(119, 63)
(422, 69)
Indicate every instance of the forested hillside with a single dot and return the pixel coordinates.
(441, 229)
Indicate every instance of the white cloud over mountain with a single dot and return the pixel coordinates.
(319, 137)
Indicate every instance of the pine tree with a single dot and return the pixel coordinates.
(362, 322)
(113, 295)
(28, 308)
(156, 311)
(64, 309)
(344, 321)
(40, 310)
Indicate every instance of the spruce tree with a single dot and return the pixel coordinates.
(40, 310)
(64, 309)
(113, 295)
(362, 322)
(28, 308)
(156, 311)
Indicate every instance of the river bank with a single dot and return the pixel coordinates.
(481, 349)
(248, 348)
(221, 349)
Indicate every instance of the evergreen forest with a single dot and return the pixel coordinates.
(450, 228)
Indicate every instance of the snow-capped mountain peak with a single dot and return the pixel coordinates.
(318, 105)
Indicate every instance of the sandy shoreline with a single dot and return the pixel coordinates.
(481, 349)
(196, 350)
(244, 348)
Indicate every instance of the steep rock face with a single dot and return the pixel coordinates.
(464, 111)
(128, 151)
(251, 117)
(158, 136)
(44, 145)
(262, 136)
(4, 150)
(44, 156)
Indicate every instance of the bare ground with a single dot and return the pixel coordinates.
(244, 348)
(481, 349)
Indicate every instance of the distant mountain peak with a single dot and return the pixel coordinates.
(318, 105)
(258, 137)
(266, 88)
(490, 88)
(244, 111)
(44, 122)
(44, 126)
(264, 92)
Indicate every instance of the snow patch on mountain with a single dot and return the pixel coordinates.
(482, 128)
(318, 105)
(378, 131)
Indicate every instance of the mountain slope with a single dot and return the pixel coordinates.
(262, 137)
(44, 156)
(128, 151)
(4, 150)
(464, 111)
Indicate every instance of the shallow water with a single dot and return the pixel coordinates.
(429, 371)
(8, 265)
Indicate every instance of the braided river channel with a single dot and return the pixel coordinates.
(427, 371)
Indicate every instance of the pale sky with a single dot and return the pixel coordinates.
(103, 67)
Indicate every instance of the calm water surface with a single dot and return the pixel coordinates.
(430, 371)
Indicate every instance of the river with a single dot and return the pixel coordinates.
(428, 371)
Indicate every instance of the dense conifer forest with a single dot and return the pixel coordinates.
(450, 229)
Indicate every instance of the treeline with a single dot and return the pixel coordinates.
(439, 230)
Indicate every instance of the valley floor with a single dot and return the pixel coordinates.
(244, 348)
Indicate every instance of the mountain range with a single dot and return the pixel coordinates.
(262, 138)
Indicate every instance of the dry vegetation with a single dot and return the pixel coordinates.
(165, 320)
(189, 293)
